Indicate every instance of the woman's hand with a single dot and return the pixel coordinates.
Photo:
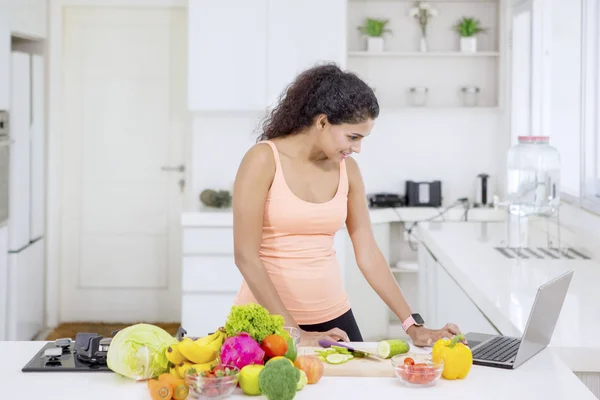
(312, 338)
(422, 336)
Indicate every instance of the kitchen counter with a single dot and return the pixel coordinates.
(542, 377)
(224, 218)
(504, 289)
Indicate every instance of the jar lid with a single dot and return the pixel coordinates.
(534, 139)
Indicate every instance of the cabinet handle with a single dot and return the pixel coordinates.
(180, 168)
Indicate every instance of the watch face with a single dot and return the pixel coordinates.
(418, 319)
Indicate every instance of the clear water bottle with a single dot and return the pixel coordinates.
(533, 177)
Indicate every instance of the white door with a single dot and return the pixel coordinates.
(124, 119)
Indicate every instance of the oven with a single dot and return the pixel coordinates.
(5, 145)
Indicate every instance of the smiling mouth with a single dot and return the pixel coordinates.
(345, 155)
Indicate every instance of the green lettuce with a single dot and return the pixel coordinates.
(138, 352)
(255, 320)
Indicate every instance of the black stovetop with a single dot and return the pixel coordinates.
(86, 353)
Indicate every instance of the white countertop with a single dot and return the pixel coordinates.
(224, 218)
(504, 289)
(542, 377)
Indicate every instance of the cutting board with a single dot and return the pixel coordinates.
(364, 367)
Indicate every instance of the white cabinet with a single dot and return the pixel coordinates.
(210, 278)
(37, 221)
(3, 280)
(295, 42)
(25, 311)
(27, 17)
(20, 161)
(227, 54)
(444, 300)
(265, 44)
(5, 61)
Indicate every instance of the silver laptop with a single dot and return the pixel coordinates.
(510, 352)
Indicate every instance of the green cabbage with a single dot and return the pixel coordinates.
(138, 352)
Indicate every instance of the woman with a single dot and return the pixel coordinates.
(293, 191)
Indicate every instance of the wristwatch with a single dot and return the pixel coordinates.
(413, 319)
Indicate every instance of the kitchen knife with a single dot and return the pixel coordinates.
(356, 353)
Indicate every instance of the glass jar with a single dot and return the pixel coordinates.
(418, 96)
(533, 178)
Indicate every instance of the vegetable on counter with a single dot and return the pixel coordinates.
(457, 357)
(279, 380)
(255, 320)
(390, 348)
(138, 351)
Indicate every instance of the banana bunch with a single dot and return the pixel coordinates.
(201, 354)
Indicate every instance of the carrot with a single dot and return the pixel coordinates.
(161, 391)
(151, 382)
(179, 387)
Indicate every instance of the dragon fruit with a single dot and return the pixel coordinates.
(241, 350)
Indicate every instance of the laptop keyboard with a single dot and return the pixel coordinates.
(500, 349)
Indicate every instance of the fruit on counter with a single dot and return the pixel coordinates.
(279, 380)
(196, 353)
(302, 381)
(457, 357)
(187, 368)
(138, 351)
(254, 320)
(280, 358)
(174, 355)
(274, 346)
(248, 379)
(241, 350)
(219, 334)
(216, 383)
(390, 348)
(312, 366)
(173, 371)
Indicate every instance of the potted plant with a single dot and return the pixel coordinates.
(423, 12)
(374, 29)
(467, 28)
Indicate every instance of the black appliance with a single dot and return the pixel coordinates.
(424, 194)
(385, 200)
(483, 191)
(86, 354)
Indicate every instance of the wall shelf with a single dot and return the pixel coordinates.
(386, 54)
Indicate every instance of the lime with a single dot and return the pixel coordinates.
(278, 358)
(336, 358)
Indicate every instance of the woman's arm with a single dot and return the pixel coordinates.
(252, 183)
(373, 264)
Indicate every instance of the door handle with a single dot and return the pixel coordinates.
(180, 168)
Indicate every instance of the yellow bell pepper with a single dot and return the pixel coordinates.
(457, 357)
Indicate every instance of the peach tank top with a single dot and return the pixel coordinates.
(297, 250)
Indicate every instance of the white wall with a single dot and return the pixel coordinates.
(451, 145)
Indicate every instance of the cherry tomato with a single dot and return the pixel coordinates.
(274, 345)
(409, 361)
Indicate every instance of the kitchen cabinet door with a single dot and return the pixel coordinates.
(25, 316)
(295, 42)
(453, 305)
(227, 54)
(4, 61)
(20, 164)
(38, 183)
(3, 280)
(27, 17)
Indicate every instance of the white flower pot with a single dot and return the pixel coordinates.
(374, 44)
(468, 44)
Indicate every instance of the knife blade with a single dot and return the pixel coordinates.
(356, 353)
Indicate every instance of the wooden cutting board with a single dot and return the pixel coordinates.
(364, 367)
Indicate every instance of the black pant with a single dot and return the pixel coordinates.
(345, 322)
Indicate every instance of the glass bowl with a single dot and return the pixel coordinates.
(294, 333)
(417, 370)
(212, 387)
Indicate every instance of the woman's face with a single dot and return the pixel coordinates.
(340, 141)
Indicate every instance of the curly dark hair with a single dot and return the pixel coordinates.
(323, 89)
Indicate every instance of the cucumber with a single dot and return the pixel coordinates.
(390, 348)
(336, 358)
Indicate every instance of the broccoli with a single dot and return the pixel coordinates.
(279, 380)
